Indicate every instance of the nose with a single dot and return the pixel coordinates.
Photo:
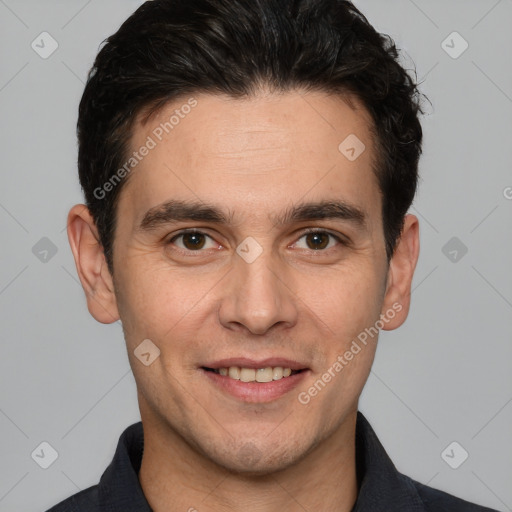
(259, 296)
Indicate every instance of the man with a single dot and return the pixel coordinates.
(247, 168)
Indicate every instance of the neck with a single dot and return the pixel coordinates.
(177, 478)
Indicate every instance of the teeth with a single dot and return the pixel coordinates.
(267, 374)
(264, 375)
(233, 372)
(277, 373)
(247, 375)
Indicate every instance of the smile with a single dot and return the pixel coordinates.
(267, 374)
(255, 385)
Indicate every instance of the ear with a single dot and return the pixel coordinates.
(91, 265)
(397, 296)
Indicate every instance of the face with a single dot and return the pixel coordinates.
(279, 264)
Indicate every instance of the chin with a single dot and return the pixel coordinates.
(251, 459)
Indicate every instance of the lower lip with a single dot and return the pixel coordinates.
(256, 392)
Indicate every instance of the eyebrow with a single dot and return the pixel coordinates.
(179, 211)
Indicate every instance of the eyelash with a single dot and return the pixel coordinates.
(306, 232)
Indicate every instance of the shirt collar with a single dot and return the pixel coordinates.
(119, 487)
(381, 486)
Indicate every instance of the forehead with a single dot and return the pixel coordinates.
(254, 154)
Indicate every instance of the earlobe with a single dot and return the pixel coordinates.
(397, 297)
(91, 265)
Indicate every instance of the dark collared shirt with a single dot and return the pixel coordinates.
(382, 488)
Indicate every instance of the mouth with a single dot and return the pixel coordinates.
(253, 381)
(266, 374)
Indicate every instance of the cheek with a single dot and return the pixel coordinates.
(154, 301)
(350, 309)
(345, 302)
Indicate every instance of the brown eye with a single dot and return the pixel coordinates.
(192, 241)
(318, 240)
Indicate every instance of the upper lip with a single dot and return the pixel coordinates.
(244, 362)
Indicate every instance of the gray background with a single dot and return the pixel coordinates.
(444, 376)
